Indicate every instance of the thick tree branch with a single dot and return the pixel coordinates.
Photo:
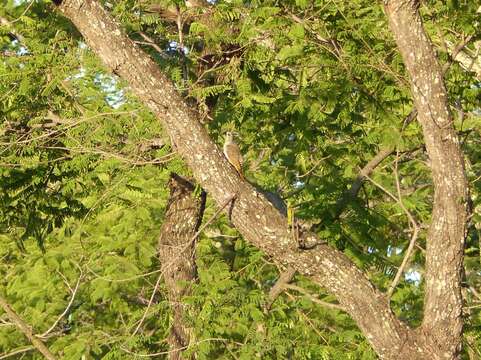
(26, 330)
(445, 240)
(177, 254)
(255, 217)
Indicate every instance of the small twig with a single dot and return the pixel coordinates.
(149, 41)
(16, 352)
(313, 298)
(69, 124)
(180, 48)
(413, 222)
(7, 23)
(455, 52)
(106, 154)
(214, 67)
(313, 327)
(122, 280)
(475, 292)
(213, 217)
(73, 292)
(314, 167)
(176, 349)
(390, 194)
(156, 287)
(414, 236)
(6, 323)
(472, 307)
(24, 12)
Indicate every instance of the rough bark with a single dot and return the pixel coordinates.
(252, 214)
(26, 330)
(285, 278)
(177, 254)
(442, 324)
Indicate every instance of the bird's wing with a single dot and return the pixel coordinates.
(233, 154)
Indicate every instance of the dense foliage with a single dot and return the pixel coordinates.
(314, 88)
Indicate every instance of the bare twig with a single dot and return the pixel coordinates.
(149, 41)
(314, 167)
(5, 22)
(177, 349)
(180, 48)
(454, 53)
(213, 217)
(469, 62)
(16, 352)
(414, 236)
(6, 323)
(313, 298)
(24, 12)
(122, 280)
(111, 155)
(413, 222)
(26, 330)
(475, 292)
(72, 297)
(312, 326)
(69, 124)
(156, 287)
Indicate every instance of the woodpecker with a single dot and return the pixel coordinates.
(232, 153)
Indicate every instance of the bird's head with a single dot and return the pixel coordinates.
(229, 136)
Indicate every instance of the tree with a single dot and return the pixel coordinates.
(255, 217)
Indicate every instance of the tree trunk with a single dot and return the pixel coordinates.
(177, 254)
(446, 235)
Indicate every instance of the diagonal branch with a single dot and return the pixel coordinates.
(16, 352)
(69, 305)
(351, 193)
(414, 236)
(313, 298)
(26, 330)
(285, 278)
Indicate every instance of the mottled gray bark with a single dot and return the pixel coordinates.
(177, 254)
(442, 325)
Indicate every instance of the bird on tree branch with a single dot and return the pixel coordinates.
(232, 153)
